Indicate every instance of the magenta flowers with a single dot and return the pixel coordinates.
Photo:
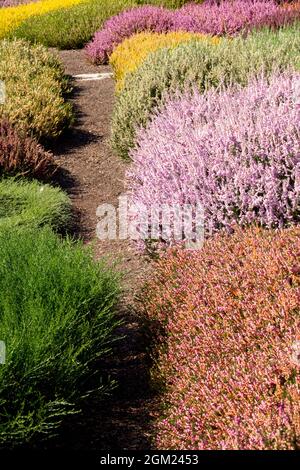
(236, 152)
(230, 17)
(227, 17)
(125, 24)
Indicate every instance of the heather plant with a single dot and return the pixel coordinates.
(231, 17)
(13, 16)
(235, 152)
(70, 28)
(36, 90)
(172, 3)
(226, 18)
(57, 319)
(124, 25)
(23, 156)
(25, 204)
(228, 355)
(132, 52)
(201, 64)
(292, 5)
(73, 27)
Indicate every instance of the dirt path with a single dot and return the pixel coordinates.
(92, 176)
(96, 176)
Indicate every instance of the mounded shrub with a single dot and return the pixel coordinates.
(57, 320)
(228, 17)
(129, 55)
(234, 152)
(229, 350)
(200, 64)
(13, 16)
(23, 156)
(26, 204)
(70, 28)
(35, 90)
(124, 25)
(231, 17)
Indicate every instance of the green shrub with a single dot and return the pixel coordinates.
(56, 319)
(31, 204)
(35, 88)
(73, 27)
(197, 64)
(70, 28)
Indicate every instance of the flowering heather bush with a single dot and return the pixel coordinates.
(132, 51)
(124, 25)
(230, 314)
(229, 17)
(35, 88)
(23, 156)
(235, 152)
(200, 64)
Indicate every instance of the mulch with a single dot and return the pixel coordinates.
(92, 175)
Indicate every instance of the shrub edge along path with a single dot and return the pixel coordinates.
(92, 175)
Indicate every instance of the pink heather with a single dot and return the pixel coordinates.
(236, 152)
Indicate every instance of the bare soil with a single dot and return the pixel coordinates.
(92, 175)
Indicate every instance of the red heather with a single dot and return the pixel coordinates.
(235, 152)
(230, 350)
(23, 156)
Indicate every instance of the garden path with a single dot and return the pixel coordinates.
(92, 175)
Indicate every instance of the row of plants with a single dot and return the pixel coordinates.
(12, 17)
(57, 304)
(216, 123)
(203, 64)
(213, 18)
(72, 26)
(66, 24)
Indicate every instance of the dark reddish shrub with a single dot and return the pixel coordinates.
(23, 156)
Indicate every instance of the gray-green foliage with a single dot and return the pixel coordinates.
(201, 64)
(57, 319)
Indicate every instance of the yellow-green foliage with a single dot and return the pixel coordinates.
(35, 86)
(128, 56)
(12, 17)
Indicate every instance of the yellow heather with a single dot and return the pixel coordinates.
(133, 51)
(12, 17)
